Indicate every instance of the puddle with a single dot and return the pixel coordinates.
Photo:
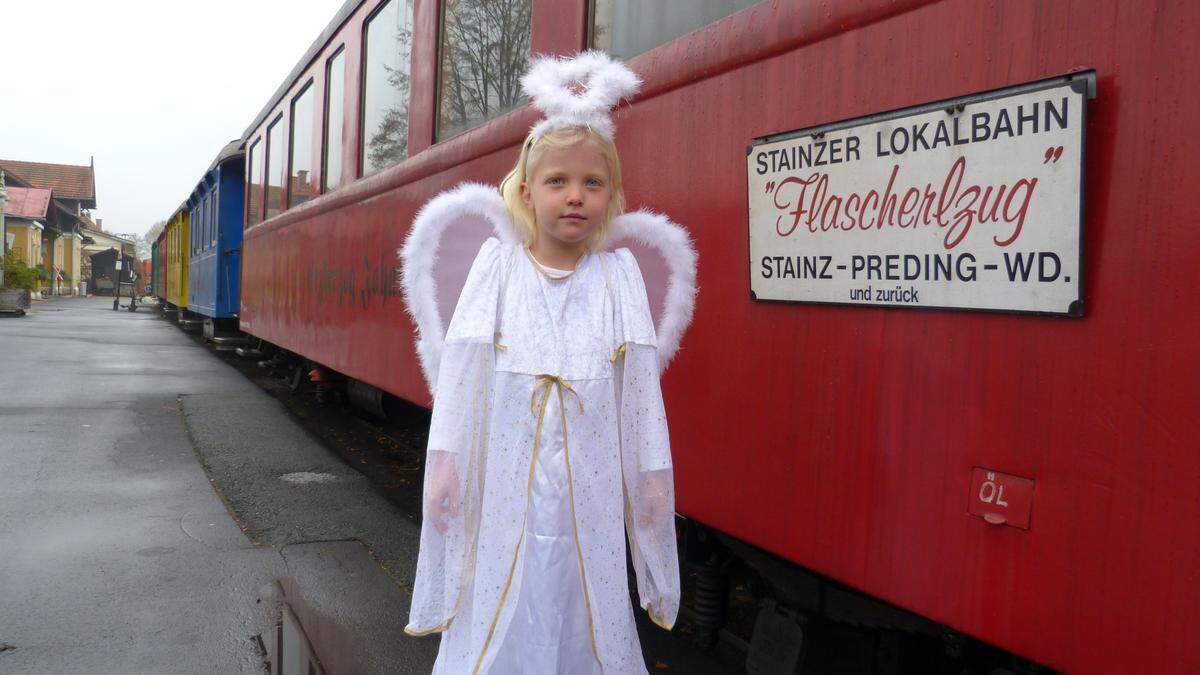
(289, 651)
(305, 477)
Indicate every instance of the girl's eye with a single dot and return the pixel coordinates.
(554, 181)
(595, 182)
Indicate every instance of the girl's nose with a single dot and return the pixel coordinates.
(575, 197)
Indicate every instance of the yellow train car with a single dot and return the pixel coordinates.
(178, 253)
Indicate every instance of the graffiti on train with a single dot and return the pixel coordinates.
(970, 203)
(371, 283)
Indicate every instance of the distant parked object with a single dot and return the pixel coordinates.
(104, 272)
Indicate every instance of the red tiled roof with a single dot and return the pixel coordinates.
(28, 203)
(68, 181)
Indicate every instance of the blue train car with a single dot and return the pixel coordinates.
(217, 213)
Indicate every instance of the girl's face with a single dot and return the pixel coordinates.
(569, 192)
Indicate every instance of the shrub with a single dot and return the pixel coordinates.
(17, 274)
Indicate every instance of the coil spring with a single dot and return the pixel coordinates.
(710, 597)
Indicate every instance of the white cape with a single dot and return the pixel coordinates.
(546, 426)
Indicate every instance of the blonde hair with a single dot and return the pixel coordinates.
(532, 149)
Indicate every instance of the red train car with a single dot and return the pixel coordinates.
(853, 441)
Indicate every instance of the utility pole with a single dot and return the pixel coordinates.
(3, 228)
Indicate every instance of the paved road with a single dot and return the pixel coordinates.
(117, 555)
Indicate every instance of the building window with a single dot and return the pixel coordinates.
(485, 50)
(626, 28)
(335, 109)
(275, 168)
(301, 156)
(254, 191)
(385, 86)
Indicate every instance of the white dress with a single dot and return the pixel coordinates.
(549, 631)
(554, 433)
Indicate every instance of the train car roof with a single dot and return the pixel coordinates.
(348, 8)
(232, 149)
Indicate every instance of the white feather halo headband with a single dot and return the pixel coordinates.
(578, 91)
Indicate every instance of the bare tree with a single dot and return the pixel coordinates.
(146, 241)
(485, 51)
(389, 141)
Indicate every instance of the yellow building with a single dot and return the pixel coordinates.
(25, 211)
(48, 211)
(25, 237)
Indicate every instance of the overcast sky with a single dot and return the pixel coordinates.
(152, 89)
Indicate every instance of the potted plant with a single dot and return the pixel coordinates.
(19, 280)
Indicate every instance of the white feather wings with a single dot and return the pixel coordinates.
(461, 219)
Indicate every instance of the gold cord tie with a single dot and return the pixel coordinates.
(496, 341)
(546, 382)
(617, 353)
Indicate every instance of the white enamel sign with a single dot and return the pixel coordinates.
(971, 203)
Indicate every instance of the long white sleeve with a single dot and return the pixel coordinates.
(457, 449)
(645, 452)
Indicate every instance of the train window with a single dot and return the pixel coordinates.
(216, 222)
(254, 189)
(626, 28)
(335, 103)
(301, 156)
(485, 50)
(385, 86)
(275, 168)
(210, 208)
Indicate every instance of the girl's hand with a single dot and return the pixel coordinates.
(442, 498)
(656, 497)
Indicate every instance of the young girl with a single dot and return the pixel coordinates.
(548, 442)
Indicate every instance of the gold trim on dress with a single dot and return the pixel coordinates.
(431, 631)
(575, 522)
(545, 383)
(657, 621)
(542, 268)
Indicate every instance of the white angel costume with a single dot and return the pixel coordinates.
(548, 445)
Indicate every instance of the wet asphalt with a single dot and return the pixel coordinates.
(145, 524)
